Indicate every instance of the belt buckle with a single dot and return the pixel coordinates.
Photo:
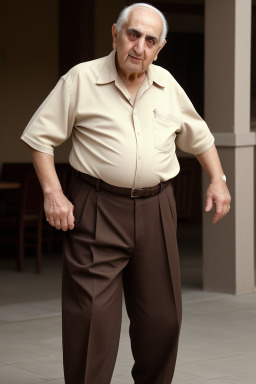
(132, 193)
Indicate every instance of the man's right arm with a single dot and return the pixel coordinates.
(58, 209)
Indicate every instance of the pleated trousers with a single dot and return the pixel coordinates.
(120, 244)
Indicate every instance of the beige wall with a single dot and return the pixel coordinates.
(28, 68)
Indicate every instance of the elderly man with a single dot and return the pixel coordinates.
(125, 116)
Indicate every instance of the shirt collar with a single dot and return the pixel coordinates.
(109, 72)
(154, 76)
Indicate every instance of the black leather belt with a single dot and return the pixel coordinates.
(129, 192)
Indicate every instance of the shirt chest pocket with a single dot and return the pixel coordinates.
(164, 130)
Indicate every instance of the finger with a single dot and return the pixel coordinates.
(216, 218)
(71, 219)
(51, 221)
(209, 204)
(64, 224)
(57, 223)
(219, 213)
(227, 209)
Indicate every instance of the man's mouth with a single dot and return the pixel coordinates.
(135, 58)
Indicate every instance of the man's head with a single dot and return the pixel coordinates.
(138, 37)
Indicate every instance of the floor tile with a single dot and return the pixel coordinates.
(219, 368)
(58, 381)
(50, 367)
(186, 378)
(192, 353)
(18, 353)
(208, 382)
(205, 336)
(247, 378)
(122, 380)
(242, 328)
(33, 310)
(13, 375)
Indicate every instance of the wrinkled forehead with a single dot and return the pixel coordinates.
(145, 20)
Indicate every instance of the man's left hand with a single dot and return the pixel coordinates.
(218, 195)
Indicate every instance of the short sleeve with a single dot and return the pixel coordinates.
(194, 136)
(52, 123)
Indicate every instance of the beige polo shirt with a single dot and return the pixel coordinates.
(124, 144)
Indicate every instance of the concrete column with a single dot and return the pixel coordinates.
(228, 246)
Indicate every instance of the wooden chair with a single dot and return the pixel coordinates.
(21, 212)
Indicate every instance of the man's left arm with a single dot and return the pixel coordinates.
(217, 192)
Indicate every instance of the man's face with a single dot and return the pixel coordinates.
(137, 44)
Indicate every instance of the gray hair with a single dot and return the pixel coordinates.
(124, 15)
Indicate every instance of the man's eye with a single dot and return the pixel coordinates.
(150, 43)
(132, 36)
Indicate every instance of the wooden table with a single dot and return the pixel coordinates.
(9, 185)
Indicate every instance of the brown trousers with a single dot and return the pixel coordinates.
(120, 244)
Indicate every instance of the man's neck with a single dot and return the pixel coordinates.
(132, 80)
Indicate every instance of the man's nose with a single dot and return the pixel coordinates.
(139, 47)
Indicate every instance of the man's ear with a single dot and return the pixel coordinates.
(114, 35)
(159, 49)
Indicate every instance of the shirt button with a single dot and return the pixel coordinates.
(139, 157)
(138, 133)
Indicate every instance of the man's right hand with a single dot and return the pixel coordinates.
(59, 211)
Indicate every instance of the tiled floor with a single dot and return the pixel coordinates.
(217, 344)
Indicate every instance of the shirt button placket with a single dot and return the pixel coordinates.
(138, 143)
